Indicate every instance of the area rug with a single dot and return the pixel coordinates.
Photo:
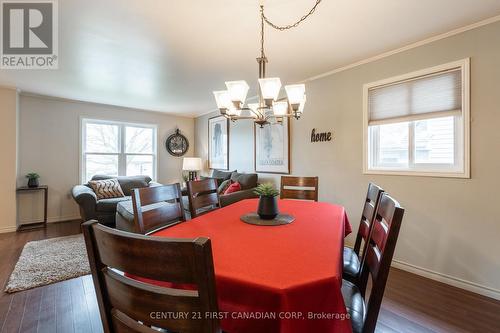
(48, 261)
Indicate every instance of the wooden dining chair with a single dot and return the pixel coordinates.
(379, 252)
(127, 305)
(203, 196)
(157, 207)
(302, 188)
(353, 258)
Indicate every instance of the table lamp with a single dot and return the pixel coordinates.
(193, 165)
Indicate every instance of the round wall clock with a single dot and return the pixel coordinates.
(177, 144)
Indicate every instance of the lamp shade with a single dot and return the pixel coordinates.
(280, 108)
(270, 87)
(295, 93)
(222, 99)
(237, 90)
(191, 164)
(301, 106)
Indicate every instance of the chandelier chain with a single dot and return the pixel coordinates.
(262, 17)
(290, 26)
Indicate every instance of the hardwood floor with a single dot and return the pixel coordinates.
(411, 303)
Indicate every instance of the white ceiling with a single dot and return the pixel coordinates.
(170, 55)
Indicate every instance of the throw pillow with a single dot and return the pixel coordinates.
(127, 183)
(223, 187)
(234, 187)
(107, 188)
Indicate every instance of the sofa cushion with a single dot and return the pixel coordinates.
(106, 188)
(109, 205)
(224, 175)
(246, 180)
(128, 182)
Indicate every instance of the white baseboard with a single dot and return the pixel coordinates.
(447, 279)
(50, 220)
(7, 229)
(63, 218)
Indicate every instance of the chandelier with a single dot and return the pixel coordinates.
(269, 108)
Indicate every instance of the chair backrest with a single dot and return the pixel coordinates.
(165, 207)
(126, 305)
(202, 194)
(369, 209)
(303, 188)
(379, 252)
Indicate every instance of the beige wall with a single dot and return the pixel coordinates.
(49, 145)
(8, 167)
(451, 228)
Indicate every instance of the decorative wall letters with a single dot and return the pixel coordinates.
(320, 137)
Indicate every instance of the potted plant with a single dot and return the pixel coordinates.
(268, 201)
(33, 179)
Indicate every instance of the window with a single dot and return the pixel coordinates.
(418, 124)
(117, 149)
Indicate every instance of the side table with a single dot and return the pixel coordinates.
(30, 226)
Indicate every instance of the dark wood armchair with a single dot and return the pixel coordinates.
(353, 258)
(202, 196)
(379, 252)
(127, 305)
(302, 188)
(157, 207)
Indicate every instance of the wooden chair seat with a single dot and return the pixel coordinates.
(355, 305)
(351, 264)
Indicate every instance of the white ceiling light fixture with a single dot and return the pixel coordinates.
(269, 109)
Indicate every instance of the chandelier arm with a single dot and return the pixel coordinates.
(233, 118)
(290, 26)
(258, 114)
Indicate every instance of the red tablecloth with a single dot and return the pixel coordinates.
(276, 270)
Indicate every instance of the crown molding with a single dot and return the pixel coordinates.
(406, 48)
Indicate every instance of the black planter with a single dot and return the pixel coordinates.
(33, 182)
(268, 207)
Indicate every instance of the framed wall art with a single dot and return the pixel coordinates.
(272, 147)
(218, 143)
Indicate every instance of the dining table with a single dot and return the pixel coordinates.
(276, 279)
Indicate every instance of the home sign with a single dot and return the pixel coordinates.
(320, 136)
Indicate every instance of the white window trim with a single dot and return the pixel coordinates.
(121, 155)
(464, 66)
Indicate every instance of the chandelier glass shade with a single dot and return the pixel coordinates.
(269, 108)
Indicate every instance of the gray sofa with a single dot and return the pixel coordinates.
(104, 210)
(248, 182)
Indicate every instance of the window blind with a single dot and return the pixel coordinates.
(431, 96)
